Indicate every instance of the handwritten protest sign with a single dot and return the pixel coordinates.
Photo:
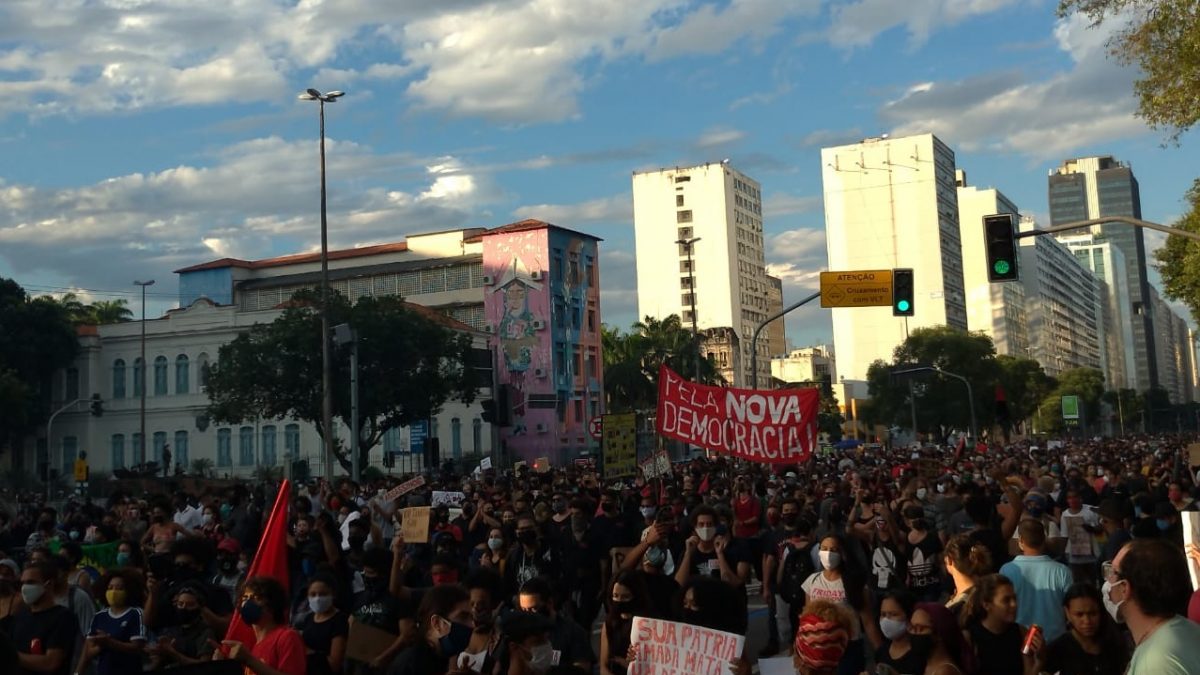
(485, 463)
(1194, 454)
(1191, 535)
(403, 489)
(619, 445)
(451, 499)
(672, 648)
(414, 526)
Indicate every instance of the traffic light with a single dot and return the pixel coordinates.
(97, 405)
(999, 240)
(503, 406)
(902, 292)
(489, 410)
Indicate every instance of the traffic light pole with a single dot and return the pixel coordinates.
(970, 391)
(758, 330)
(50, 438)
(1082, 224)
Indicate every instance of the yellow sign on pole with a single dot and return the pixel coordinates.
(81, 471)
(619, 445)
(856, 288)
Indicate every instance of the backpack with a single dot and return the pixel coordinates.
(797, 567)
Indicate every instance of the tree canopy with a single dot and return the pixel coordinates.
(632, 360)
(410, 365)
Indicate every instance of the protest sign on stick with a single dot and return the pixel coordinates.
(672, 648)
(403, 489)
(415, 525)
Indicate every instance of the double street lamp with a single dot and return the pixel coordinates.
(326, 387)
(141, 375)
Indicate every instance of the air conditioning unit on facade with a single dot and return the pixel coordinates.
(489, 280)
(541, 428)
(536, 275)
(539, 372)
(538, 324)
(489, 329)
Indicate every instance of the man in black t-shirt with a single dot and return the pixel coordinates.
(44, 633)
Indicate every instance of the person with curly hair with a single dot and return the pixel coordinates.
(117, 637)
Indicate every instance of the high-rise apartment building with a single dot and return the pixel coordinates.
(1063, 302)
(1175, 350)
(721, 274)
(776, 331)
(889, 203)
(1107, 264)
(1092, 187)
(995, 309)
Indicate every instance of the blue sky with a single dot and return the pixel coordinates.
(141, 136)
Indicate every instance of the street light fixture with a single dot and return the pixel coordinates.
(326, 387)
(687, 244)
(142, 376)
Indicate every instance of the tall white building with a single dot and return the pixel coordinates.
(995, 309)
(1174, 349)
(1063, 301)
(806, 364)
(723, 274)
(1107, 262)
(892, 202)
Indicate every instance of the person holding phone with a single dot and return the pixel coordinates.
(117, 637)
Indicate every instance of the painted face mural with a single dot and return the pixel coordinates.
(517, 337)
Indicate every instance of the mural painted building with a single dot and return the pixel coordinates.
(542, 306)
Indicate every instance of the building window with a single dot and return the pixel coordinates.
(575, 317)
(181, 374)
(224, 447)
(181, 449)
(138, 377)
(139, 449)
(685, 265)
(391, 441)
(70, 452)
(678, 200)
(591, 320)
(202, 371)
(687, 299)
(683, 216)
(591, 272)
(477, 435)
(687, 315)
(72, 389)
(118, 379)
(578, 406)
(116, 458)
(456, 436)
(577, 359)
(160, 444)
(246, 446)
(291, 441)
(685, 233)
(560, 409)
(573, 269)
(556, 272)
(683, 179)
(685, 282)
(160, 376)
(268, 445)
(591, 362)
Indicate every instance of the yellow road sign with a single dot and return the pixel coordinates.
(856, 288)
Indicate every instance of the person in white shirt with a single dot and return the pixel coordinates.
(187, 515)
(1080, 524)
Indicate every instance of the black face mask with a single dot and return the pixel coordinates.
(227, 565)
(608, 507)
(528, 537)
(185, 572)
(356, 543)
(622, 607)
(187, 616)
(373, 584)
(790, 519)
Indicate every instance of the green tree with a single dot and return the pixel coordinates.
(1087, 384)
(632, 361)
(202, 467)
(1025, 386)
(829, 416)
(410, 365)
(104, 312)
(941, 402)
(36, 339)
(1179, 259)
(1128, 406)
(1162, 38)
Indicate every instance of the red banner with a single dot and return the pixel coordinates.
(777, 426)
(270, 560)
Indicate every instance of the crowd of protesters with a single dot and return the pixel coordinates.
(1013, 560)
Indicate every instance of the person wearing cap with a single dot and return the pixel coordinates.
(822, 635)
(228, 578)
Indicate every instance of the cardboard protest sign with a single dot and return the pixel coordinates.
(1194, 454)
(485, 463)
(414, 526)
(403, 489)
(1079, 540)
(672, 648)
(1191, 535)
(541, 465)
(619, 445)
(450, 499)
(772, 426)
(365, 643)
(929, 469)
(662, 463)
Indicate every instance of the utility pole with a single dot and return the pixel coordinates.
(687, 244)
(142, 377)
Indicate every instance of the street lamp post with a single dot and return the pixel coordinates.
(142, 377)
(970, 392)
(687, 244)
(326, 387)
(758, 329)
(345, 335)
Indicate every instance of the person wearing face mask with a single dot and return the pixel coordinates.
(1182, 501)
(191, 558)
(492, 553)
(841, 581)
(445, 625)
(1147, 588)
(569, 640)
(186, 642)
(324, 630)
(1080, 524)
(278, 650)
(708, 554)
(45, 530)
(628, 599)
(44, 632)
(903, 651)
(228, 578)
(783, 580)
(485, 588)
(527, 644)
(531, 558)
(923, 550)
(384, 602)
(117, 637)
(78, 575)
(1168, 522)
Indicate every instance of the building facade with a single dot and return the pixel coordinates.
(722, 274)
(892, 203)
(1063, 301)
(814, 365)
(1092, 187)
(776, 331)
(997, 310)
(526, 292)
(1107, 264)
(1175, 350)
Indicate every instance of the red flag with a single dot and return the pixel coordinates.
(269, 561)
(704, 485)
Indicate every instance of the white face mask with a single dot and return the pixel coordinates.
(893, 628)
(1114, 608)
(941, 488)
(206, 519)
(472, 662)
(830, 559)
(541, 658)
(921, 492)
(320, 603)
(706, 533)
(32, 593)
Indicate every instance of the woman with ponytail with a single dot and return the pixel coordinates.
(445, 624)
(966, 560)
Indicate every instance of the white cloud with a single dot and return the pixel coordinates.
(719, 136)
(614, 209)
(711, 29)
(1090, 103)
(618, 287)
(825, 138)
(858, 24)
(782, 204)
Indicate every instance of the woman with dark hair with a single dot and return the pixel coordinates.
(117, 637)
(445, 624)
(129, 554)
(712, 603)
(628, 598)
(901, 649)
(279, 650)
(992, 631)
(966, 560)
(325, 629)
(946, 644)
(1092, 646)
(842, 581)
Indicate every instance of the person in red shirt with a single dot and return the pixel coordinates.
(279, 649)
(747, 513)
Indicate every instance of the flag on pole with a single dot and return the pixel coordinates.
(269, 561)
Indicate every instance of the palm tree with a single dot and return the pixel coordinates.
(110, 311)
(632, 361)
(76, 311)
(202, 467)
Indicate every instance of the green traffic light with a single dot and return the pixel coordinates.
(1002, 267)
(902, 306)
